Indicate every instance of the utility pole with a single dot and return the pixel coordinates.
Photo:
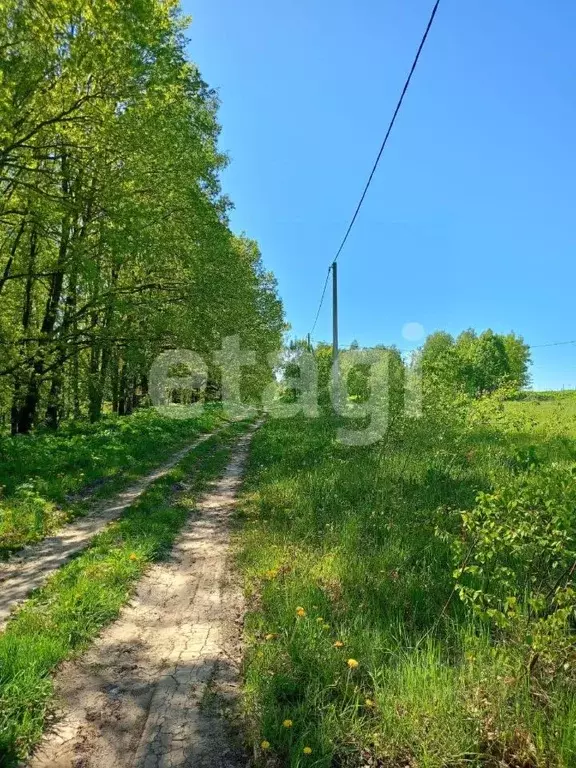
(335, 330)
(334, 312)
(309, 343)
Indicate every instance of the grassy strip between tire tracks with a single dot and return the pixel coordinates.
(63, 617)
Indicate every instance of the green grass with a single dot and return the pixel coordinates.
(42, 476)
(62, 618)
(551, 413)
(354, 538)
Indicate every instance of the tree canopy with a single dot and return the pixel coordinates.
(478, 364)
(114, 236)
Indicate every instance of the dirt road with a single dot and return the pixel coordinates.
(155, 688)
(30, 568)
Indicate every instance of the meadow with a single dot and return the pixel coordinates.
(411, 603)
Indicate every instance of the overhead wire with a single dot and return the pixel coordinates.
(552, 344)
(321, 301)
(379, 156)
(390, 126)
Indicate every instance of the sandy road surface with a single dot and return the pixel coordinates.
(154, 689)
(30, 568)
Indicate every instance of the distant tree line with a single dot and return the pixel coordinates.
(472, 364)
(114, 235)
(477, 364)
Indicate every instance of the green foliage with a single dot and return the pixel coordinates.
(516, 557)
(44, 476)
(354, 372)
(477, 365)
(490, 362)
(518, 357)
(113, 229)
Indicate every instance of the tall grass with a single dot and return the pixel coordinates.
(358, 641)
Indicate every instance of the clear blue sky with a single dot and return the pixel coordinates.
(471, 219)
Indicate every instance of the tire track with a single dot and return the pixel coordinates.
(153, 689)
(28, 570)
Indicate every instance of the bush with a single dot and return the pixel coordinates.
(516, 558)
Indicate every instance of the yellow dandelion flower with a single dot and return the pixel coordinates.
(265, 744)
(133, 556)
(338, 644)
(287, 723)
(369, 703)
(300, 612)
(352, 663)
(307, 750)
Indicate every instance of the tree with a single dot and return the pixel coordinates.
(475, 364)
(466, 352)
(490, 363)
(518, 354)
(114, 237)
(440, 358)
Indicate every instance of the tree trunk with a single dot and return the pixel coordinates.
(123, 390)
(15, 409)
(30, 405)
(115, 382)
(54, 408)
(22, 417)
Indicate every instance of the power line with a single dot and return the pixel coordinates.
(389, 131)
(552, 344)
(382, 147)
(321, 300)
(416, 347)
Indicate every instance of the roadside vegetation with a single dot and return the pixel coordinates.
(47, 479)
(62, 617)
(412, 601)
(115, 246)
